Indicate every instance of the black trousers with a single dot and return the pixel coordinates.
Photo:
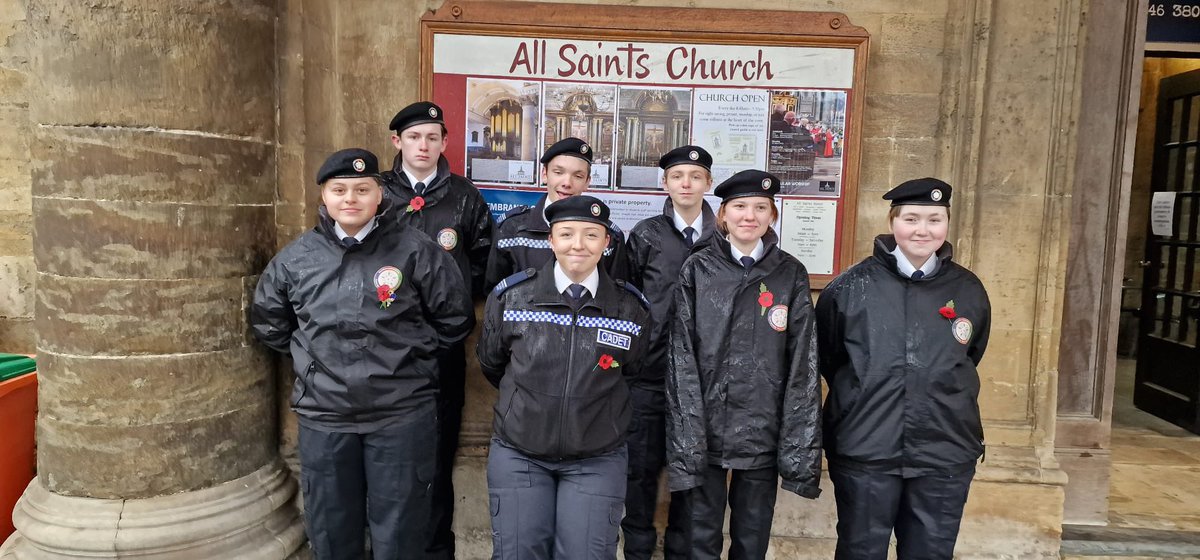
(381, 479)
(647, 456)
(452, 376)
(750, 495)
(924, 511)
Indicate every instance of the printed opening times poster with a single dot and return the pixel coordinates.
(781, 109)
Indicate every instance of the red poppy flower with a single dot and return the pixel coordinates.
(605, 362)
(384, 292)
(766, 299)
(948, 312)
(416, 203)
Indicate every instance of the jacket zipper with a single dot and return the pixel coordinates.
(562, 411)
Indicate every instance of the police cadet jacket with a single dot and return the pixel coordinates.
(521, 242)
(562, 374)
(743, 390)
(360, 364)
(656, 253)
(903, 388)
(454, 215)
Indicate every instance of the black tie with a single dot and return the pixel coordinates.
(748, 262)
(688, 232)
(576, 291)
(419, 187)
(918, 275)
(349, 242)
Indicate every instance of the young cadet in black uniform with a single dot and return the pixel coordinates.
(450, 210)
(657, 248)
(743, 391)
(520, 240)
(363, 304)
(562, 343)
(900, 336)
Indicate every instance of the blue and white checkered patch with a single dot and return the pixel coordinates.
(510, 242)
(563, 319)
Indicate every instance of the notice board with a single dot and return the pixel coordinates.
(773, 90)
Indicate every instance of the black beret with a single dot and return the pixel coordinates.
(568, 146)
(351, 162)
(921, 192)
(579, 208)
(691, 155)
(750, 182)
(421, 112)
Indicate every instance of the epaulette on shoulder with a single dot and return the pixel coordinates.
(514, 280)
(613, 227)
(636, 292)
(513, 212)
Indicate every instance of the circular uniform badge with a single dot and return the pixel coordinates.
(584, 149)
(359, 165)
(433, 112)
(962, 328)
(693, 155)
(777, 316)
(596, 210)
(766, 184)
(935, 195)
(389, 276)
(447, 238)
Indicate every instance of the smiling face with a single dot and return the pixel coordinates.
(920, 231)
(747, 218)
(351, 201)
(566, 176)
(578, 247)
(686, 184)
(420, 147)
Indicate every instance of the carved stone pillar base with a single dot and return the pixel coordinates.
(249, 518)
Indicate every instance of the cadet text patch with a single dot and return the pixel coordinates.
(616, 340)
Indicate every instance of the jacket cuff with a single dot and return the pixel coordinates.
(682, 482)
(802, 489)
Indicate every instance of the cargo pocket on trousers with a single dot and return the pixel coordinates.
(494, 509)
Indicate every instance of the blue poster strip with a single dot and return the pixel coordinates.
(502, 200)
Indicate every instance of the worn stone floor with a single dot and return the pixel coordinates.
(1154, 501)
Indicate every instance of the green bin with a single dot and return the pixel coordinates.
(15, 365)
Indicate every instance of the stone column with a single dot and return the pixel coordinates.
(529, 129)
(153, 172)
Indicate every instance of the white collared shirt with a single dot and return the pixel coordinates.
(907, 269)
(362, 233)
(698, 225)
(756, 254)
(412, 179)
(562, 281)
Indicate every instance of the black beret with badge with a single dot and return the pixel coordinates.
(686, 155)
(750, 182)
(351, 162)
(579, 208)
(568, 147)
(421, 112)
(926, 191)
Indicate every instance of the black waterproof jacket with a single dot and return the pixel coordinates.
(743, 390)
(903, 388)
(558, 400)
(359, 366)
(656, 253)
(521, 241)
(455, 216)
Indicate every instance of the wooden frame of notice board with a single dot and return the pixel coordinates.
(774, 90)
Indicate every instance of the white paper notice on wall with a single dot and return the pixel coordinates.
(1162, 214)
(810, 233)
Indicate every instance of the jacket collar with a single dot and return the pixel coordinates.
(770, 258)
(325, 223)
(710, 219)
(886, 243)
(401, 178)
(546, 291)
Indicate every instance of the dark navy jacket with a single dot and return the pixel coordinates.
(903, 388)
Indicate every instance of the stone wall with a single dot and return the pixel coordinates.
(16, 231)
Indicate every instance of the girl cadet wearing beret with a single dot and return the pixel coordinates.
(562, 343)
(901, 334)
(742, 391)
